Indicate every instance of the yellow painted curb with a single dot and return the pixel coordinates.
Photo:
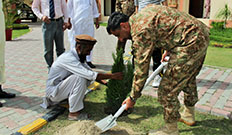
(32, 127)
(94, 86)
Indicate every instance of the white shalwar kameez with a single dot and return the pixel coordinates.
(68, 79)
(2, 46)
(82, 14)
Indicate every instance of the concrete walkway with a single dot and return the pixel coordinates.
(27, 73)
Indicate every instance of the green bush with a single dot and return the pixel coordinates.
(217, 25)
(118, 90)
(20, 26)
(220, 39)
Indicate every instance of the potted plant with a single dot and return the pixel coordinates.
(10, 10)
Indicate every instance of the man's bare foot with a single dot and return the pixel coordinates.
(78, 116)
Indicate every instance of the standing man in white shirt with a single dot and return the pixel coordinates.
(70, 75)
(82, 14)
(54, 15)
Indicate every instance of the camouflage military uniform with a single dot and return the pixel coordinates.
(185, 38)
(126, 7)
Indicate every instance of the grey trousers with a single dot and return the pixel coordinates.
(53, 32)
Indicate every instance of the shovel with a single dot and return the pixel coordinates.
(156, 72)
(110, 121)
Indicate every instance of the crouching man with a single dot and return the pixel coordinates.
(70, 76)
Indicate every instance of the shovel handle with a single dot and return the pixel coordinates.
(119, 112)
(156, 72)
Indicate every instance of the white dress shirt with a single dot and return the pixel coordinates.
(41, 8)
(144, 3)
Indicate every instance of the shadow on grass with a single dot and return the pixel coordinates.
(141, 112)
(208, 127)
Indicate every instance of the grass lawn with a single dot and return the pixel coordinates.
(18, 33)
(221, 57)
(103, 24)
(147, 115)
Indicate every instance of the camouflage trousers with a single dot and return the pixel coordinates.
(184, 65)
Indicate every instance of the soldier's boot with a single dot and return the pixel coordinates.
(168, 129)
(187, 116)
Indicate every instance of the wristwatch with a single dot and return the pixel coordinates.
(132, 99)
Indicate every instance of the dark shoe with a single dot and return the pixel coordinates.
(1, 104)
(91, 65)
(3, 94)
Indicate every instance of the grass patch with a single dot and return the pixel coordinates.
(219, 57)
(18, 33)
(103, 24)
(147, 115)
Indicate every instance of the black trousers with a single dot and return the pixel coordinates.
(156, 57)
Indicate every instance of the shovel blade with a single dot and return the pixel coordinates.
(106, 123)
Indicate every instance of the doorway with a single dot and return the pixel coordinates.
(109, 7)
(196, 8)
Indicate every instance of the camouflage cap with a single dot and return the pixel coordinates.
(85, 39)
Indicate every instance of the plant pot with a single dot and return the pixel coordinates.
(18, 21)
(8, 34)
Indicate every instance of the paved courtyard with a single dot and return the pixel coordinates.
(26, 74)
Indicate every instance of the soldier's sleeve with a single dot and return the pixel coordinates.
(142, 50)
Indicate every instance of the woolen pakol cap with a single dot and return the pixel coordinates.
(85, 39)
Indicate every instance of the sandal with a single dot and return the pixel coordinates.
(81, 116)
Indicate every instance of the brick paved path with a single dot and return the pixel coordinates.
(26, 75)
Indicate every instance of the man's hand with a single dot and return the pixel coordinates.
(97, 23)
(69, 24)
(117, 76)
(45, 19)
(64, 26)
(129, 103)
(164, 58)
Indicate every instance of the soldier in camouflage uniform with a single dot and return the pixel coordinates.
(185, 37)
(126, 7)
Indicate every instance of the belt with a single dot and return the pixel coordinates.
(56, 20)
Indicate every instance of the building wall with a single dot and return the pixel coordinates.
(216, 5)
(183, 5)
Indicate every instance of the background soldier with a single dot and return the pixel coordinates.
(126, 7)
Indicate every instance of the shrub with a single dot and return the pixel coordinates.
(220, 39)
(20, 26)
(225, 14)
(217, 25)
(118, 90)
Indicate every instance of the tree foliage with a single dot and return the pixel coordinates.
(225, 14)
(10, 10)
(118, 90)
